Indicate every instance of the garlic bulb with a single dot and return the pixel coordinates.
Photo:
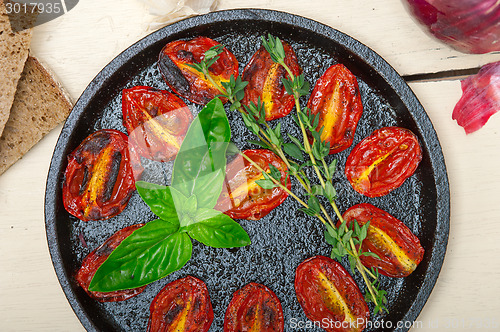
(169, 11)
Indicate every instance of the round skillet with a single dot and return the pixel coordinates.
(285, 237)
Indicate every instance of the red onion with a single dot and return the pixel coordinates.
(480, 98)
(470, 26)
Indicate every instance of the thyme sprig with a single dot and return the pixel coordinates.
(345, 240)
(209, 58)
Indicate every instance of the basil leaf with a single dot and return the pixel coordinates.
(200, 165)
(159, 199)
(186, 208)
(218, 231)
(184, 205)
(232, 149)
(205, 214)
(168, 203)
(148, 254)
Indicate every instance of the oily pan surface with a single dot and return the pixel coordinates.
(285, 237)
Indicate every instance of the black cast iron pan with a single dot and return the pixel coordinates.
(285, 237)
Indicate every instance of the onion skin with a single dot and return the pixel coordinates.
(469, 26)
(480, 98)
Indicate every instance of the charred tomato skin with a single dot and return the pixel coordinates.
(156, 121)
(326, 291)
(398, 248)
(383, 161)
(187, 82)
(337, 99)
(241, 196)
(99, 178)
(95, 259)
(254, 308)
(183, 305)
(264, 79)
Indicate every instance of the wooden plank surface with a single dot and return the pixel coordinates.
(77, 45)
(464, 296)
(384, 26)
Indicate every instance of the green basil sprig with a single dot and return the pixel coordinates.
(185, 210)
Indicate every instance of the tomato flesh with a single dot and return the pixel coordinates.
(156, 121)
(383, 161)
(99, 178)
(95, 259)
(242, 197)
(254, 308)
(337, 99)
(182, 306)
(264, 79)
(174, 61)
(398, 248)
(329, 295)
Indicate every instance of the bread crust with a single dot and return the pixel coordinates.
(15, 37)
(40, 104)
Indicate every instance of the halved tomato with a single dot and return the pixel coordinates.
(95, 259)
(336, 98)
(264, 79)
(242, 197)
(99, 178)
(174, 61)
(254, 308)
(383, 161)
(182, 306)
(398, 248)
(329, 296)
(156, 121)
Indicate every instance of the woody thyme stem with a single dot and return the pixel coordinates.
(261, 134)
(354, 252)
(280, 185)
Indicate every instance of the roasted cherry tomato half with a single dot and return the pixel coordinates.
(183, 306)
(188, 82)
(99, 179)
(264, 79)
(242, 197)
(383, 161)
(337, 100)
(329, 295)
(398, 248)
(95, 259)
(254, 308)
(156, 121)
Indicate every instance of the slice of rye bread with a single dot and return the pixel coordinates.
(14, 44)
(39, 105)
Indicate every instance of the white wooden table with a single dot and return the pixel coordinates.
(77, 45)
